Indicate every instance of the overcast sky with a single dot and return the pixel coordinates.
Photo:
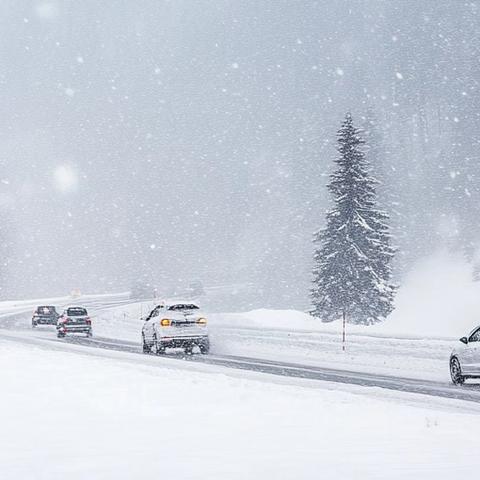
(184, 140)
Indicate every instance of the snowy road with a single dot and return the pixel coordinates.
(470, 393)
(14, 314)
(437, 389)
(14, 327)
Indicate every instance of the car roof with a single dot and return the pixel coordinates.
(74, 306)
(171, 303)
(474, 330)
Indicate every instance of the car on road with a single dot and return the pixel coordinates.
(74, 320)
(44, 315)
(175, 325)
(465, 358)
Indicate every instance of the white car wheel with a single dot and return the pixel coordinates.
(159, 349)
(145, 347)
(456, 371)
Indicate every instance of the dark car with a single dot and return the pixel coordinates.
(74, 320)
(45, 315)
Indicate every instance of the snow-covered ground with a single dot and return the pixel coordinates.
(69, 411)
(118, 416)
(415, 357)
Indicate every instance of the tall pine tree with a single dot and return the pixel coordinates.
(353, 255)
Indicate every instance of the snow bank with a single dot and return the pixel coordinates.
(266, 318)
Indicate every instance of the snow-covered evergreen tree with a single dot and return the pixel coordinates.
(353, 255)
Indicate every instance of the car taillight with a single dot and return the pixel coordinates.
(165, 322)
(202, 321)
(88, 320)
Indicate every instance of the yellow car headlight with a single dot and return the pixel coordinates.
(165, 322)
(202, 321)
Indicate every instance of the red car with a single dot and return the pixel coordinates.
(74, 320)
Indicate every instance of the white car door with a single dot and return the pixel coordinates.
(148, 326)
(474, 352)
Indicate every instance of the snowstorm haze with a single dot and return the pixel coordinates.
(192, 140)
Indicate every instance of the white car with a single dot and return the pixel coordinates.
(465, 358)
(175, 325)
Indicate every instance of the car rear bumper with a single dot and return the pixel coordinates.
(44, 321)
(75, 329)
(179, 342)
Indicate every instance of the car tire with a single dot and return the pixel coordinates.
(60, 335)
(34, 324)
(159, 349)
(204, 348)
(89, 334)
(188, 349)
(145, 347)
(456, 371)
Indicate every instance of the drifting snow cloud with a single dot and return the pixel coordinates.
(438, 298)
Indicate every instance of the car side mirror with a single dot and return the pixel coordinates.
(464, 340)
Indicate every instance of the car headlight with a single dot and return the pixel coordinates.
(165, 322)
(202, 321)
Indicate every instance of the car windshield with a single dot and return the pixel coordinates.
(76, 312)
(45, 310)
(183, 306)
